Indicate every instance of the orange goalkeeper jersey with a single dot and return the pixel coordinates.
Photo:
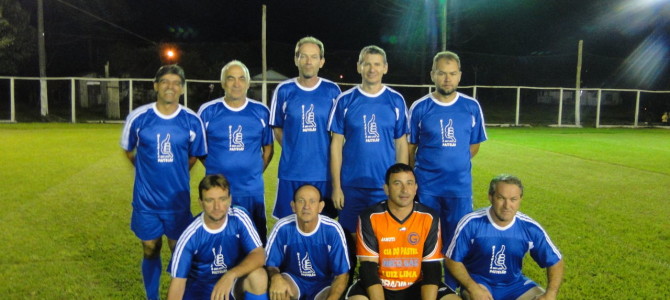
(400, 245)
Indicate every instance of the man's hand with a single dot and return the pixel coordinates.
(546, 296)
(338, 198)
(480, 293)
(279, 288)
(223, 287)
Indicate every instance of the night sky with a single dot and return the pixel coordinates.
(512, 42)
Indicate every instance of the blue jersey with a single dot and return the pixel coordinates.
(203, 255)
(370, 124)
(302, 113)
(163, 145)
(495, 254)
(318, 256)
(443, 134)
(235, 137)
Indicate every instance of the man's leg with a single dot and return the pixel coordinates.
(453, 209)
(253, 286)
(260, 220)
(151, 267)
(284, 196)
(532, 293)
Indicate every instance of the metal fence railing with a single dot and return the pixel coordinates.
(83, 99)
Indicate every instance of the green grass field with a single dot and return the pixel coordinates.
(602, 195)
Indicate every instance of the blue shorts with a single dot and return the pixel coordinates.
(150, 226)
(308, 290)
(508, 291)
(255, 206)
(285, 191)
(451, 210)
(199, 290)
(355, 201)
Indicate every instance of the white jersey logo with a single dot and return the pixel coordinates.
(235, 139)
(448, 137)
(164, 149)
(371, 134)
(305, 265)
(218, 265)
(308, 124)
(497, 265)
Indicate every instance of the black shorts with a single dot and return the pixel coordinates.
(412, 292)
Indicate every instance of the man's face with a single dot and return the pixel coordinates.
(235, 84)
(401, 189)
(309, 60)
(168, 89)
(505, 202)
(307, 204)
(446, 76)
(215, 203)
(372, 69)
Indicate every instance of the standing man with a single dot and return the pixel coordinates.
(299, 117)
(369, 127)
(220, 254)
(446, 128)
(240, 142)
(307, 252)
(399, 245)
(162, 140)
(487, 251)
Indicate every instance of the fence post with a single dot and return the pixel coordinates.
(130, 95)
(12, 107)
(186, 94)
(518, 105)
(637, 108)
(72, 101)
(600, 93)
(560, 107)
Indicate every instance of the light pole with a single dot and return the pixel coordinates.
(444, 25)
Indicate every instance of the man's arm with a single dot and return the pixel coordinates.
(474, 148)
(336, 145)
(279, 134)
(369, 275)
(191, 161)
(279, 286)
(461, 274)
(131, 156)
(554, 278)
(401, 152)
(254, 260)
(268, 152)
(432, 276)
(428, 292)
(177, 288)
(412, 154)
(338, 286)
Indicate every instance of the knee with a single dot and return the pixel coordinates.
(152, 249)
(256, 282)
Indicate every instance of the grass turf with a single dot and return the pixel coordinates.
(600, 194)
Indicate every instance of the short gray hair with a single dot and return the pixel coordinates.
(310, 40)
(506, 178)
(238, 63)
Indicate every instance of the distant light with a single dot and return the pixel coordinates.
(341, 76)
(170, 53)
